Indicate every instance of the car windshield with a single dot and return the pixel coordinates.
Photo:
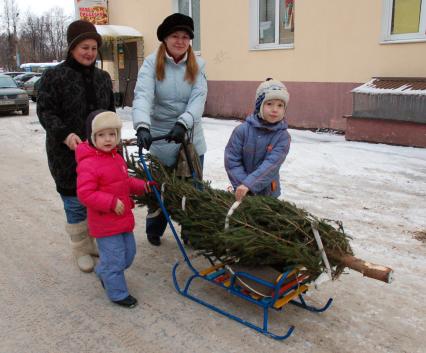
(23, 77)
(7, 82)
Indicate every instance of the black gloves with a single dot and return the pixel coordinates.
(144, 139)
(177, 133)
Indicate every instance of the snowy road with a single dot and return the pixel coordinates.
(377, 191)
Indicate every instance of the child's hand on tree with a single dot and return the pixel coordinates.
(240, 192)
(119, 207)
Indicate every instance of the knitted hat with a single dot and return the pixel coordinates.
(173, 23)
(80, 30)
(267, 90)
(100, 120)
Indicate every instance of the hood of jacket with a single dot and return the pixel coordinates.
(259, 123)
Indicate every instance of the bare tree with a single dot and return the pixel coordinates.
(55, 30)
(32, 38)
(4, 51)
(9, 18)
(36, 39)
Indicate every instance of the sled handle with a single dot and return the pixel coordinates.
(160, 137)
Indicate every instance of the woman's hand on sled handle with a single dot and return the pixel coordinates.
(240, 192)
(144, 139)
(177, 133)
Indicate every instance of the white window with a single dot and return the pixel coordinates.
(404, 20)
(191, 8)
(272, 24)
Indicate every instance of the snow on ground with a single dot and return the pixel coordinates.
(377, 190)
(379, 193)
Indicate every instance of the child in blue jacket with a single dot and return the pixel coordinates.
(258, 147)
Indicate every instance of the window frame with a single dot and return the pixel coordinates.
(175, 6)
(387, 37)
(254, 29)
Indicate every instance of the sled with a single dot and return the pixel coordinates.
(288, 287)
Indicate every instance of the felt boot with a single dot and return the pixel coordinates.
(82, 245)
(94, 249)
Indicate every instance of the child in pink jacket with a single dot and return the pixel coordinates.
(104, 187)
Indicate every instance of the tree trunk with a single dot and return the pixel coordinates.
(368, 269)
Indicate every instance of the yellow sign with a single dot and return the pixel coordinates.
(94, 11)
(121, 61)
(406, 16)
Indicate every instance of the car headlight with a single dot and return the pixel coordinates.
(22, 96)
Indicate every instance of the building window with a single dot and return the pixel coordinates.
(404, 20)
(106, 51)
(191, 8)
(272, 23)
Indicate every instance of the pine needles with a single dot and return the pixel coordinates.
(262, 231)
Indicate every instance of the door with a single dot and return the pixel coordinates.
(127, 70)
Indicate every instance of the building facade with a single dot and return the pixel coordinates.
(320, 50)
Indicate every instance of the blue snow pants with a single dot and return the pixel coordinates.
(116, 254)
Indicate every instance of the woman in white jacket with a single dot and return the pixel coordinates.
(170, 94)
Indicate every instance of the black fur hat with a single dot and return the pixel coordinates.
(173, 23)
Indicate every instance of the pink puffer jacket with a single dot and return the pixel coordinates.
(102, 178)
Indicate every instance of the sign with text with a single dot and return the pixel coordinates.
(94, 11)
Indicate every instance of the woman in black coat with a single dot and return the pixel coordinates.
(68, 93)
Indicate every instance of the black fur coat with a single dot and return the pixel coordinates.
(67, 94)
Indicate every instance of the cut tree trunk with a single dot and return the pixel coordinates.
(368, 269)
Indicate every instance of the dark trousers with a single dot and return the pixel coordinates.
(156, 222)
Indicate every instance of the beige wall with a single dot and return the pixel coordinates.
(337, 46)
(335, 41)
(143, 15)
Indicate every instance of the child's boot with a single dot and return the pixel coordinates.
(82, 245)
(128, 302)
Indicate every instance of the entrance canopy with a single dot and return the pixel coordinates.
(115, 31)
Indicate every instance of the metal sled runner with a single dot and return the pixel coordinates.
(289, 287)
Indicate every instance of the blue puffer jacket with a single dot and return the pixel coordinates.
(255, 153)
(158, 105)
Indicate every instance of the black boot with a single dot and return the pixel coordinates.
(128, 302)
(154, 239)
(184, 236)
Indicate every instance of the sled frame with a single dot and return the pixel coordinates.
(276, 302)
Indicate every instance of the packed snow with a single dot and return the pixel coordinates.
(378, 192)
(403, 89)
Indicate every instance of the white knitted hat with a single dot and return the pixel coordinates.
(106, 120)
(270, 89)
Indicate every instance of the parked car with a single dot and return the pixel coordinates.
(13, 73)
(12, 98)
(21, 79)
(31, 87)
